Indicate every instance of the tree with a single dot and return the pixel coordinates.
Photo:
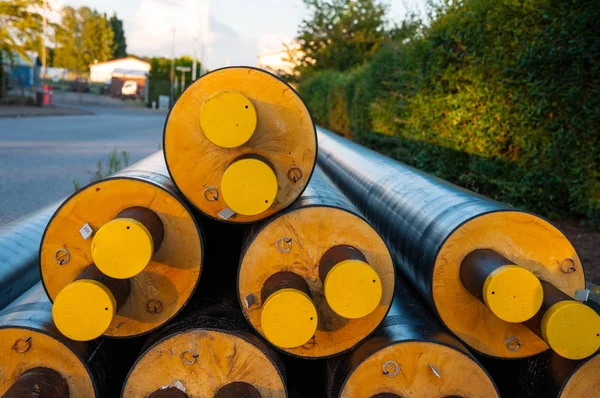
(338, 35)
(120, 47)
(84, 37)
(50, 56)
(21, 26)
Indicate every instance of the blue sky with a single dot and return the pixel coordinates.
(239, 29)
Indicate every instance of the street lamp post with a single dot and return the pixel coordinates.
(183, 69)
(172, 79)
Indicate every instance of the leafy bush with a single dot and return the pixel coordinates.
(337, 35)
(501, 97)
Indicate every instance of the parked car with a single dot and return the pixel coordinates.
(129, 89)
(79, 85)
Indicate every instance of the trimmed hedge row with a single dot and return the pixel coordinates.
(500, 97)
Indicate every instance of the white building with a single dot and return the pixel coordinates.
(276, 62)
(101, 72)
(55, 74)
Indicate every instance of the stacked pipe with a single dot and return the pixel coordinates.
(313, 282)
(411, 355)
(546, 375)
(38, 361)
(240, 144)
(316, 279)
(502, 280)
(207, 353)
(121, 256)
(19, 244)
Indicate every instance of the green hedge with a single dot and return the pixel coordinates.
(501, 97)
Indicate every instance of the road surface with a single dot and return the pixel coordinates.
(40, 157)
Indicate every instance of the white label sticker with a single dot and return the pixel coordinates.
(86, 231)
(250, 300)
(226, 213)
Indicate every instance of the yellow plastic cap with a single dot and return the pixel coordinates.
(122, 248)
(289, 318)
(83, 310)
(228, 119)
(352, 289)
(571, 329)
(513, 293)
(249, 186)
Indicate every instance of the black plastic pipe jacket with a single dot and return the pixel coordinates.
(320, 192)
(20, 239)
(19, 244)
(105, 360)
(408, 320)
(544, 375)
(152, 169)
(396, 197)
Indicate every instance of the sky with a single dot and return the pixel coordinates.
(234, 31)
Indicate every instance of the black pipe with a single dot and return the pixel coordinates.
(119, 288)
(148, 219)
(105, 361)
(552, 295)
(414, 212)
(19, 244)
(168, 392)
(220, 315)
(20, 241)
(320, 193)
(39, 382)
(545, 375)
(152, 171)
(571, 318)
(409, 320)
(214, 305)
(477, 267)
(419, 215)
(284, 138)
(283, 280)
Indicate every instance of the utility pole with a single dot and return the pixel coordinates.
(194, 66)
(205, 33)
(183, 69)
(200, 40)
(172, 96)
(202, 60)
(44, 23)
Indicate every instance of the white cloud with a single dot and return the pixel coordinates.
(272, 42)
(150, 33)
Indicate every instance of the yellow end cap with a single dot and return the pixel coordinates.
(571, 329)
(289, 318)
(83, 310)
(352, 289)
(122, 248)
(513, 293)
(228, 119)
(249, 186)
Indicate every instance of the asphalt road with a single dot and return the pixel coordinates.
(40, 157)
